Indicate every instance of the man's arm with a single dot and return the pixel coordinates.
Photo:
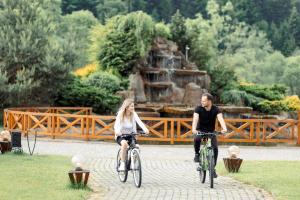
(195, 122)
(222, 122)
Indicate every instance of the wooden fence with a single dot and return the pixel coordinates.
(78, 122)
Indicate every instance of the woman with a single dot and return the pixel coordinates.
(126, 124)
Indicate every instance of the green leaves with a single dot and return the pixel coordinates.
(31, 55)
(78, 93)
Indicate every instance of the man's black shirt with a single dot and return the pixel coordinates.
(207, 119)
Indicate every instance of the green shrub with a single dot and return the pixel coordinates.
(272, 107)
(240, 98)
(77, 93)
(275, 92)
(104, 80)
(162, 30)
(223, 79)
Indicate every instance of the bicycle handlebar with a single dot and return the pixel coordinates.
(139, 133)
(209, 134)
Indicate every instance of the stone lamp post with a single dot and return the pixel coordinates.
(233, 163)
(78, 174)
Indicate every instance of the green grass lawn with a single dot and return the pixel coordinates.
(280, 178)
(37, 177)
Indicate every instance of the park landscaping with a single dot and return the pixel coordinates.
(280, 178)
(37, 177)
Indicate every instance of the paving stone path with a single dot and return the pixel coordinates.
(168, 171)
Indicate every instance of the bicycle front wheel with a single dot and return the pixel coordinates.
(202, 170)
(211, 168)
(122, 174)
(136, 168)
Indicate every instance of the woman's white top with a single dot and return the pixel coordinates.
(128, 126)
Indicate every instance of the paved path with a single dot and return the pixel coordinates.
(168, 171)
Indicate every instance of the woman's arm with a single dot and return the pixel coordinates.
(117, 126)
(140, 123)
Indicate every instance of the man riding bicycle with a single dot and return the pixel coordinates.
(204, 120)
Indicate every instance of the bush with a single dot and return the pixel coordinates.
(272, 107)
(275, 92)
(162, 30)
(103, 80)
(85, 70)
(77, 93)
(292, 102)
(240, 98)
(223, 79)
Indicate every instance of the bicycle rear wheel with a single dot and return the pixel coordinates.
(202, 170)
(136, 168)
(211, 168)
(122, 174)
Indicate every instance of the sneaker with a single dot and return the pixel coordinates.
(122, 166)
(215, 175)
(196, 158)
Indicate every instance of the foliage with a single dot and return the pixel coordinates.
(240, 98)
(34, 62)
(162, 30)
(77, 93)
(223, 79)
(74, 29)
(104, 81)
(178, 30)
(129, 38)
(291, 75)
(85, 70)
(275, 92)
(292, 102)
(272, 107)
(109, 8)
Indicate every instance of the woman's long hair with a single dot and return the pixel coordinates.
(123, 108)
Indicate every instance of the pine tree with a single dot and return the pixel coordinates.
(178, 30)
(294, 25)
(33, 61)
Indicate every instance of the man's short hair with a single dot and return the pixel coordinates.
(208, 96)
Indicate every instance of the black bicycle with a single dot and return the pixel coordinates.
(206, 157)
(132, 162)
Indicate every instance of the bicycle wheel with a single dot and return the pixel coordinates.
(122, 174)
(211, 168)
(136, 168)
(202, 171)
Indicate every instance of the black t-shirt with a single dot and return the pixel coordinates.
(207, 119)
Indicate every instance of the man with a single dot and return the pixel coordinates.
(204, 120)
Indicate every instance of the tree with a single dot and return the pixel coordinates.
(109, 8)
(33, 61)
(178, 30)
(294, 25)
(75, 28)
(291, 75)
(127, 38)
(68, 6)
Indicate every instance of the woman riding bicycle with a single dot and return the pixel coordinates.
(125, 124)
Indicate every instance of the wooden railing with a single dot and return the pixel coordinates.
(80, 123)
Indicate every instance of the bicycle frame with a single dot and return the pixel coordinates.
(204, 164)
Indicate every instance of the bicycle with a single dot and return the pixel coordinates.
(206, 157)
(132, 162)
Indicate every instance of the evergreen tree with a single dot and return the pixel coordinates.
(178, 30)
(33, 62)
